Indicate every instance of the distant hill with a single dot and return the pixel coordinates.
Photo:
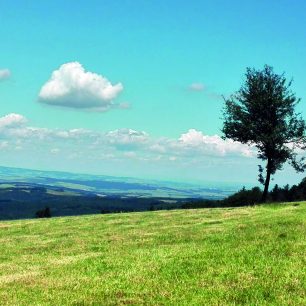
(23, 200)
(109, 185)
(23, 192)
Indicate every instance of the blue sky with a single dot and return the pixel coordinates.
(174, 60)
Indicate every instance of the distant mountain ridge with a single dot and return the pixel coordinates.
(109, 185)
(25, 192)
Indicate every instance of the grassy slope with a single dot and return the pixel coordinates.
(196, 257)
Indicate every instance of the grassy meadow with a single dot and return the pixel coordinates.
(241, 256)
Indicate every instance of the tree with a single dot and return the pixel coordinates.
(262, 113)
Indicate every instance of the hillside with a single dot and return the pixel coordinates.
(251, 255)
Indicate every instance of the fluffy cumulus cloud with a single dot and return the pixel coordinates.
(72, 86)
(213, 145)
(4, 74)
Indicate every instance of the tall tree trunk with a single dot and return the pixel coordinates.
(267, 181)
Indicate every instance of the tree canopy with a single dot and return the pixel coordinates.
(262, 113)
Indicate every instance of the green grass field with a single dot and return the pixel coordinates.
(242, 256)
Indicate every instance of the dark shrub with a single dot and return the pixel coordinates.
(243, 198)
(44, 213)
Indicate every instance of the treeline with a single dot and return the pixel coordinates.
(243, 197)
(253, 196)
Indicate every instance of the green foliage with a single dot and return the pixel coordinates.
(242, 256)
(243, 198)
(262, 113)
(43, 213)
(251, 197)
(295, 193)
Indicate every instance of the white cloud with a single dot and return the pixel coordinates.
(197, 87)
(117, 144)
(158, 148)
(124, 105)
(72, 133)
(55, 151)
(4, 74)
(126, 138)
(214, 145)
(71, 86)
(200, 87)
(12, 120)
(3, 145)
(130, 154)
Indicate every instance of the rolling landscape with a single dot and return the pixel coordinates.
(152, 153)
(23, 192)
